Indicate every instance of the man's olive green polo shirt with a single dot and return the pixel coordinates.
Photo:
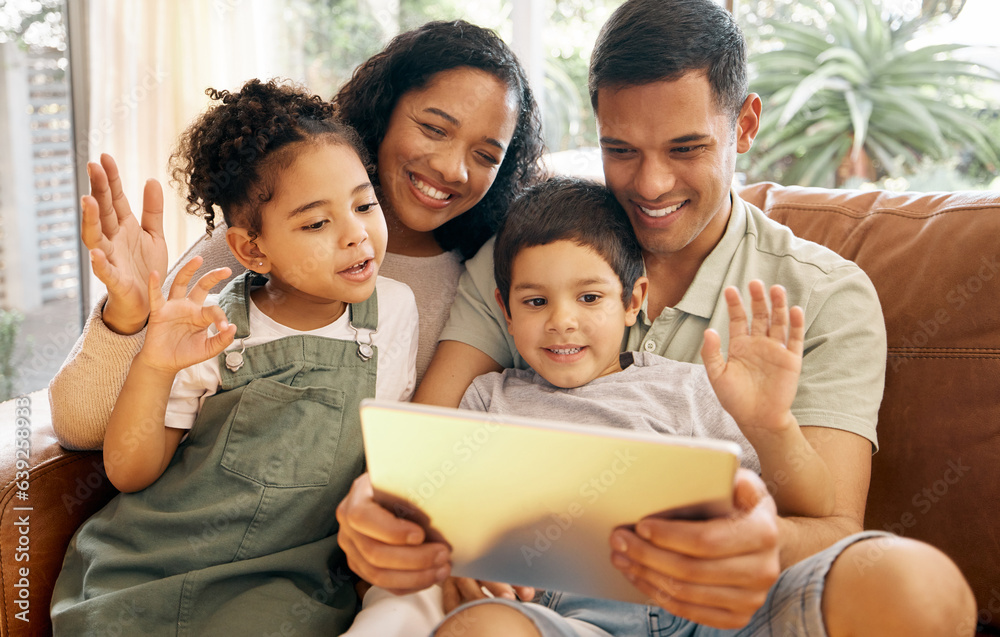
(843, 368)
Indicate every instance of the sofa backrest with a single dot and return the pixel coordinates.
(935, 261)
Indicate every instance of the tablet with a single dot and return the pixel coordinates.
(533, 502)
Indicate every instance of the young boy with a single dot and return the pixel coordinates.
(568, 271)
(569, 276)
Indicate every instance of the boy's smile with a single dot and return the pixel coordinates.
(566, 312)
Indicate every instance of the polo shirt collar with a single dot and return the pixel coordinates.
(702, 296)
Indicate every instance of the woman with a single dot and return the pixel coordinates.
(447, 112)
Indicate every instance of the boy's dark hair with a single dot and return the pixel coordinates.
(570, 209)
(647, 41)
(230, 156)
(409, 62)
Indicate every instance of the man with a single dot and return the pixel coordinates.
(669, 88)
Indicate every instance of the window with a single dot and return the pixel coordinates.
(39, 261)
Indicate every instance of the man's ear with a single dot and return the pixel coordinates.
(748, 123)
(246, 250)
(639, 291)
(506, 313)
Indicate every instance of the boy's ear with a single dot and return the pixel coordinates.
(506, 313)
(246, 250)
(634, 304)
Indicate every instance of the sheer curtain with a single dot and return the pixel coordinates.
(150, 63)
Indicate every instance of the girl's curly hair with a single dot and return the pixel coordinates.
(409, 62)
(230, 156)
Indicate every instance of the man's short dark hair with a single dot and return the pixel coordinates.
(647, 41)
(568, 209)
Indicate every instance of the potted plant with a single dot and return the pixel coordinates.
(847, 95)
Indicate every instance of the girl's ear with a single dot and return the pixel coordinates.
(634, 304)
(247, 250)
(506, 312)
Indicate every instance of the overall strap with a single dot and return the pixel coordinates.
(235, 300)
(365, 314)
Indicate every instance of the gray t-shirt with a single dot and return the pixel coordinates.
(652, 394)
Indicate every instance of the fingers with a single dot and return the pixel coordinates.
(385, 550)
(737, 314)
(750, 492)
(717, 606)
(470, 589)
(215, 315)
(498, 589)
(152, 208)
(681, 553)
(781, 323)
(796, 330)
(103, 270)
(102, 194)
(779, 314)
(524, 593)
(178, 289)
(723, 592)
(459, 590)
(156, 300)
(90, 227)
(451, 598)
(758, 307)
(118, 201)
(719, 537)
(205, 284)
(711, 354)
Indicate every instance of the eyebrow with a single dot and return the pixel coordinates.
(683, 139)
(306, 207)
(454, 122)
(580, 283)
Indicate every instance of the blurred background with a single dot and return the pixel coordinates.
(895, 94)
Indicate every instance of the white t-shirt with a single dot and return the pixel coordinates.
(396, 340)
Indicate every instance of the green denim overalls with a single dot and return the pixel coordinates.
(238, 536)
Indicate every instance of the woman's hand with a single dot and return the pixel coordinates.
(757, 383)
(123, 253)
(177, 336)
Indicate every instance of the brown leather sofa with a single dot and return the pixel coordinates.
(935, 261)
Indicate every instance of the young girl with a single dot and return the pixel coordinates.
(233, 448)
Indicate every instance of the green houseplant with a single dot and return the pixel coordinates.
(10, 326)
(847, 95)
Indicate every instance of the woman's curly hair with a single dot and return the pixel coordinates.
(230, 156)
(409, 62)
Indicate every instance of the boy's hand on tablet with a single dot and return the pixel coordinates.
(458, 590)
(177, 336)
(757, 383)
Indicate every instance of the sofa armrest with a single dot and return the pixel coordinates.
(60, 490)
